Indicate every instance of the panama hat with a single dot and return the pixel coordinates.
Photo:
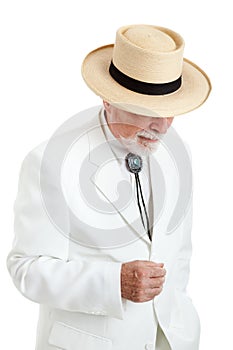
(145, 73)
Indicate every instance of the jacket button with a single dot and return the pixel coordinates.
(149, 347)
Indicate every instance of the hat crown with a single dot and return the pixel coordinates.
(150, 38)
(148, 53)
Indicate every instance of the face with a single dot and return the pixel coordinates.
(139, 134)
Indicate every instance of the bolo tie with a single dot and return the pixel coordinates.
(134, 165)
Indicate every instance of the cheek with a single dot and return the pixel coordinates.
(129, 131)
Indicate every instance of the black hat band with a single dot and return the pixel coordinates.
(143, 87)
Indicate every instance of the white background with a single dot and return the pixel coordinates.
(43, 44)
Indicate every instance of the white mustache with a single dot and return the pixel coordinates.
(149, 135)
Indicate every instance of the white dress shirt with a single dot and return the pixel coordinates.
(120, 153)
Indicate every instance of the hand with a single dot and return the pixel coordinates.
(141, 280)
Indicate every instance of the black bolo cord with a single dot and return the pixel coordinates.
(134, 165)
(138, 199)
(138, 184)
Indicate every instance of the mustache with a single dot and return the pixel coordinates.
(152, 135)
(144, 148)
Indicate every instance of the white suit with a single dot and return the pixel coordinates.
(66, 258)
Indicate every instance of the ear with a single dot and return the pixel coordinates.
(107, 106)
(169, 120)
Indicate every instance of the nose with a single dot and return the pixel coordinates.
(160, 125)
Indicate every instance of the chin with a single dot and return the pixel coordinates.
(144, 150)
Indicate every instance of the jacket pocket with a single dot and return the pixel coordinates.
(67, 337)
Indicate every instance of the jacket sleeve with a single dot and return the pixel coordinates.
(38, 262)
(185, 252)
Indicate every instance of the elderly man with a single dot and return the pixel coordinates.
(93, 245)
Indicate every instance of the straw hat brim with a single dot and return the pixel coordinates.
(193, 92)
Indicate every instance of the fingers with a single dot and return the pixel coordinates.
(155, 282)
(153, 292)
(142, 280)
(156, 272)
(140, 296)
(149, 263)
(159, 264)
(149, 269)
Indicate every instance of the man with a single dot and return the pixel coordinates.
(93, 245)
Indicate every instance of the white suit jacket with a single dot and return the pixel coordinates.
(67, 252)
